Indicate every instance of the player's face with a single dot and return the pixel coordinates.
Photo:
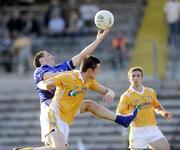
(48, 59)
(95, 72)
(135, 78)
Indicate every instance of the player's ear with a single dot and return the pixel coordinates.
(129, 78)
(89, 70)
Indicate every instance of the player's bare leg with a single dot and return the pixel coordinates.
(161, 144)
(54, 139)
(35, 148)
(97, 110)
(102, 112)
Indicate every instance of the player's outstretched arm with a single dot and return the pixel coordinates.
(108, 94)
(90, 48)
(160, 110)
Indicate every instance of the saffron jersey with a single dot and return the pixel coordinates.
(64, 100)
(148, 100)
(44, 95)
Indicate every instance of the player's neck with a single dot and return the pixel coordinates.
(84, 76)
(47, 64)
(138, 88)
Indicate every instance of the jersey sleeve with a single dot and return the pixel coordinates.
(62, 79)
(155, 101)
(123, 105)
(65, 66)
(38, 74)
(95, 86)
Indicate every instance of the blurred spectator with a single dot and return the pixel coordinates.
(75, 24)
(172, 12)
(32, 26)
(5, 52)
(15, 24)
(87, 12)
(72, 5)
(25, 2)
(22, 47)
(54, 5)
(120, 52)
(56, 25)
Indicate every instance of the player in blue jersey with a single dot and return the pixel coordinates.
(45, 69)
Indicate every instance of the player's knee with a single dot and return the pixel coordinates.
(167, 146)
(90, 105)
(60, 147)
(54, 138)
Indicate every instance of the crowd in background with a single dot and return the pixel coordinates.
(62, 18)
(172, 14)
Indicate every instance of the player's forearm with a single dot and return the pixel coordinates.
(49, 75)
(86, 51)
(91, 48)
(160, 110)
(46, 85)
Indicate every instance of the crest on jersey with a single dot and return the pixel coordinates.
(136, 101)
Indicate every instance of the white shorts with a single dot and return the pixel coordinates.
(141, 137)
(50, 120)
(44, 123)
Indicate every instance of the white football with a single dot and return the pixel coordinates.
(104, 19)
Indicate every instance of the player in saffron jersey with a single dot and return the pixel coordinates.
(144, 131)
(71, 88)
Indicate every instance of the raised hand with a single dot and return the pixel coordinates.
(102, 33)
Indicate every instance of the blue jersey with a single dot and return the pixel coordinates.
(44, 95)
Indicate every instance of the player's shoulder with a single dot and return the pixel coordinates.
(127, 94)
(67, 75)
(37, 71)
(149, 89)
(43, 67)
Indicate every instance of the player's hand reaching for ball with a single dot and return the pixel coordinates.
(102, 33)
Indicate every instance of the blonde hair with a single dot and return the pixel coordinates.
(136, 68)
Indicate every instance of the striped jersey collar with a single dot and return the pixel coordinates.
(133, 90)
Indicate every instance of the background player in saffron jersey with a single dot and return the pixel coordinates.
(66, 106)
(144, 131)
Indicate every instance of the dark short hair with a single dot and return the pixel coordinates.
(136, 68)
(36, 61)
(89, 62)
